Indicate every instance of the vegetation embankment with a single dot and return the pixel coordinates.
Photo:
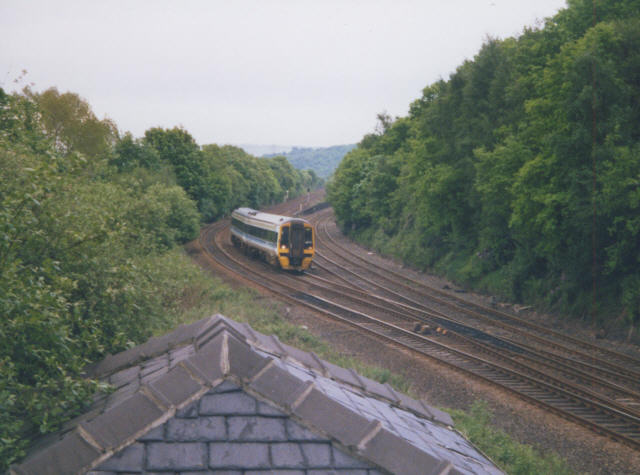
(90, 224)
(520, 172)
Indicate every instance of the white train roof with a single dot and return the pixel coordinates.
(251, 215)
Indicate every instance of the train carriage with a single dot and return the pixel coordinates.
(281, 240)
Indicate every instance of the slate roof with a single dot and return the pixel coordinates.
(216, 395)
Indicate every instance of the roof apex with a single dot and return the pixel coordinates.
(167, 373)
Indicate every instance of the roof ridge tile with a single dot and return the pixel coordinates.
(299, 397)
(395, 396)
(304, 358)
(88, 438)
(400, 456)
(279, 345)
(278, 386)
(370, 432)
(332, 418)
(207, 361)
(244, 363)
(156, 396)
(250, 332)
(214, 325)
(324, 371)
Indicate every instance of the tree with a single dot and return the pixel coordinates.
(69, 121)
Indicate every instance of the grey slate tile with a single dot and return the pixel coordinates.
(400, 457)
(190, 411)
(181, 353)
(274, 472)
(227, 404)
(176, 456)
(307, 359)
(256, 428)
(114, 362)
(129, 459)
(348, 471)
(277, 385)
(343, 460)
(152, 376)
(296, 370)
(415, 406)
(243, 361)
(157, 345)
(380, 390)
(275, 345)
(123, 421)
(225, 387)
(194, 430)
(122, 394)
(153, 365)
(344, 375)
(124, 376)
(287, 455)
(266, 409)
(207, 361)
(176, 386)
(155, 434)
(296, 432)
(441, 416)
(211, 329)
(239, 328)
(55, 459)
(246, 455)
(316, 454)
(332, 418)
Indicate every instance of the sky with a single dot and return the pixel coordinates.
(288, 72)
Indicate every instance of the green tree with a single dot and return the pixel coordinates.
(69, 121)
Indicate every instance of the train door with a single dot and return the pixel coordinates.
(297, 243)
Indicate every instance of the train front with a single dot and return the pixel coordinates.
(296, 245)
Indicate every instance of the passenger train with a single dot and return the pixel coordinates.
(282, 241)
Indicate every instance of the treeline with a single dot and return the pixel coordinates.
(322, 160)
(489, 179)
(88, 220)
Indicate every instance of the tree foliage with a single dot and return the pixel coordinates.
(68, 120)
(87, 224)
(490, 176)
(322, 161)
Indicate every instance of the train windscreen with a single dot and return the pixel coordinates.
(297, 240)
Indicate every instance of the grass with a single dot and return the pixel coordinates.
(513, 457)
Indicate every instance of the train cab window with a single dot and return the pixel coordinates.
(284, 237)
(308, 238)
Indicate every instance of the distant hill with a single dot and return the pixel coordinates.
(322, 160)
(263, 150)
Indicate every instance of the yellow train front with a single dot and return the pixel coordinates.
(280, 240)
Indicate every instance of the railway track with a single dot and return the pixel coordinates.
(516, 333)
(621, 363)
(598, 397)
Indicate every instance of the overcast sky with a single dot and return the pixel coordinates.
(289, 72)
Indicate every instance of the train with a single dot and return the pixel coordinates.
(282, 241)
